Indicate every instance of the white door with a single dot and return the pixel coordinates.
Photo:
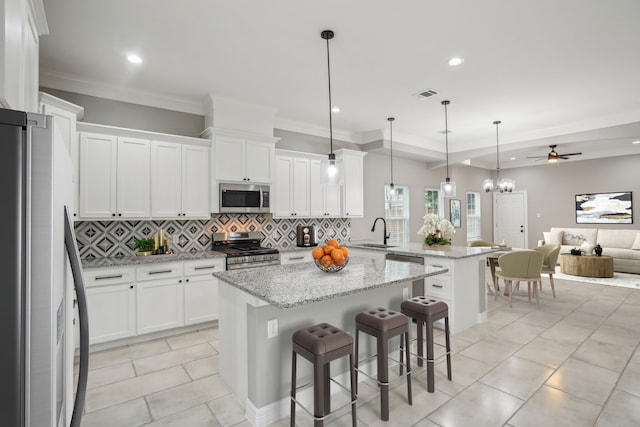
(98, 156)
(282, 187)
(229, 159)
(200, 299)
(160, 305)
(195, 182)
(111, 311)
(300, 187)
(166, 189)
(353, 202)
(510, 219)
(134, 178)
(316, 199)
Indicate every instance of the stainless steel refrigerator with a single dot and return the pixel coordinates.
(40, 269)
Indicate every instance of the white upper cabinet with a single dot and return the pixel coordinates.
(291, 188)
(114, 177)
(65, 116)
(324, 198)
(239, 159)
(352, 185)
(179, 180)
(133, 195)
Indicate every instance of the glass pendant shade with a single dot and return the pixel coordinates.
(448, 188)
(332, 169)
(487, 185)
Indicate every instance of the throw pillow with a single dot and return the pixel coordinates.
(552, 238)
(636, 243)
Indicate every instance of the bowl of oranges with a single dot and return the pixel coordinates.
(331, 257)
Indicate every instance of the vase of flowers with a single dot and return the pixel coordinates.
(436, 232)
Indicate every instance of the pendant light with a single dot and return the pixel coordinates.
(503, 185)
(331, 166)
(392, 190)
(448, 187)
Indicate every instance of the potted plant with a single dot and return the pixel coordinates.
(144, 247)
(436, 232)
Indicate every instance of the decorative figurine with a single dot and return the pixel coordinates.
(598, 249)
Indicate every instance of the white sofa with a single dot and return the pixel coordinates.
(622, 245)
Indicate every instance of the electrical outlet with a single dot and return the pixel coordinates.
(405, 293)
(272, 328)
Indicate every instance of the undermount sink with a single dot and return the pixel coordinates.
(377, 245)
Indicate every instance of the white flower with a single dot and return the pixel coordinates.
(432, 224)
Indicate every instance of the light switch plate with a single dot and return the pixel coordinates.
(405, 293)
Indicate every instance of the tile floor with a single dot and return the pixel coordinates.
(574, 361)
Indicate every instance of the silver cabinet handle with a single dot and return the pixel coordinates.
(206, 267)
(295, 258)
(160, 271)
(113, 276)
(437, 286)
(438, 266)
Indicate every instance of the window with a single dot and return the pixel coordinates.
(474, 220)
(433, 202)
(396, 213)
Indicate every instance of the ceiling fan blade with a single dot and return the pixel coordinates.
(570, 154)
(563, 157)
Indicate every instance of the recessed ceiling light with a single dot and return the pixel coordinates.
(512, 158)
(636, 142)
(455, 61)
(134, 59)
(335, 110)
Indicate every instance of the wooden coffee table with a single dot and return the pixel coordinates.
(586, 265)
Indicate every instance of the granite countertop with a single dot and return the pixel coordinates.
(416, 249)
(286, 286)
(151, 259)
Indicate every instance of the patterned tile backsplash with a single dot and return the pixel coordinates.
(99, 239)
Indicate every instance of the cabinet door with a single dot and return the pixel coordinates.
(296, 257)
(282, 187)
(316, 202)
(353, 187)
(65, 122)
(195, 182)
(166, 175)
(300, 187)
(259, 162)
(112, 312)
(200, 299)
(134, 178)
(331, 199)
(160, 305)
(97, 175)
(229, 159)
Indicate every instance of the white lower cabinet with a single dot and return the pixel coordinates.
(111, 300)
(296, 257)
(201, 290)
(160, 297)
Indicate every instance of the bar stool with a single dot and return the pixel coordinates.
(384, 324)
(426, 311)
(321, 344)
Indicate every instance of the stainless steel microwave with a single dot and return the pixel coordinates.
(244, 198)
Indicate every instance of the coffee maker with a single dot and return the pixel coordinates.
(306, 235)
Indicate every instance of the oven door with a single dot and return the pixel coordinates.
(244, 198)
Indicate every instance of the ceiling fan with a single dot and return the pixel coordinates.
(554, 156)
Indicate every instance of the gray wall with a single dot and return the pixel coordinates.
(415, 175)
(551, 190)
(134, 116)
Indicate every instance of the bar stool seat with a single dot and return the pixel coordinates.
(384, 324)
(426, 311)
(321, 344)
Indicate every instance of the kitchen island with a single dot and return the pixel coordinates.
(260, 309)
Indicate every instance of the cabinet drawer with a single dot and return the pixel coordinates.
(200, 267)
(109, 276)
(438, 286)
(295, 257)
(159, 271)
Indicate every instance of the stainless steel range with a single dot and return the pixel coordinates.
(243, 250)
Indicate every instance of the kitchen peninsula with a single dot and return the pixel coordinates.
(260, 309)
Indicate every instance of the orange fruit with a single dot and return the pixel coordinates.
(327, 249)
(317, 253)
(344, 250)
(337, 254)
(339, 262)
(326, 261)
(333, 242)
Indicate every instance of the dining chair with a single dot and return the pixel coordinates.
(551, 253)
(523, 266)
(484, 244)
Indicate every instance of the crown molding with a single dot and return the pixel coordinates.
(71, 83)
(309, 129)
